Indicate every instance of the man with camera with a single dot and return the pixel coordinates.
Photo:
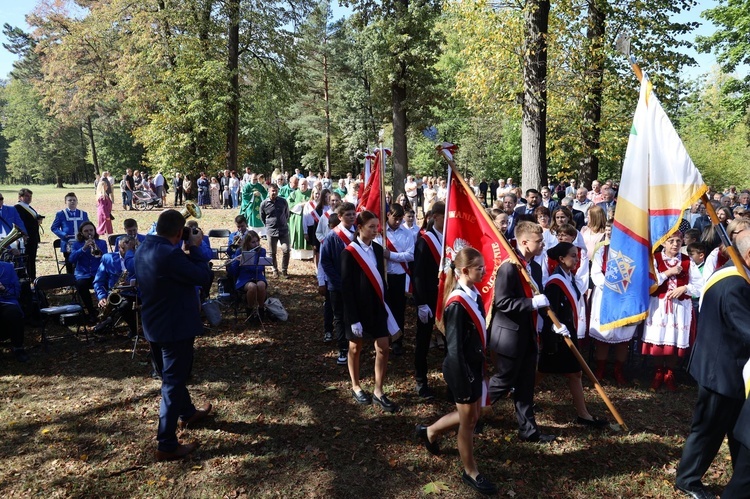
(170, 311)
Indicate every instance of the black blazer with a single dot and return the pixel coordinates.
(425, 275)
(722, 344)
(579, 219)
(512, 331)
(31, 223)
(361, 302)
(464, 359)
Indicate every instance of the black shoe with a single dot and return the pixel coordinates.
(328, 337)
(592, 423)
(424, 392)
(385, 403)
(480, 484)
(397, 349)
(420, 435)
(698, 492)
(540, 438)
(362, 397)
(479, 427)
(21, 355)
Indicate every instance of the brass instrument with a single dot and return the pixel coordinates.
(95, 251)
(114, 299)
(191, 210)
(11, 238)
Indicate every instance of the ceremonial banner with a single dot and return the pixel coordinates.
(467, 224)
(368, 166)
(369, 198)
(659, 181)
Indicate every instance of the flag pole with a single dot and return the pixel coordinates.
(522, 269)
(725, 238)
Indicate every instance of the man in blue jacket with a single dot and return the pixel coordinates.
(170, 311)
(65, 226)
(110, 270)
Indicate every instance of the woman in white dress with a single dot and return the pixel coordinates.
(667, 334)
(430, 196)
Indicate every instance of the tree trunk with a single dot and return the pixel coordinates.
(233, 50)
(400, 153)
(592, 105)
(534, 124)
(327, 111)
(94, 157)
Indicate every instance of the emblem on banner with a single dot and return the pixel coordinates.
(619, 273)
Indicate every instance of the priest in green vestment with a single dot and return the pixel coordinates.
(253, 195)
(297, 200)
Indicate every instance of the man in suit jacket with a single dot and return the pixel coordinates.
(31, 219)
(9, 217)
(721, 349)
(610, 203)
(547, 200)
(513, 332)
(739, 485)
(533, 198)
(170, 312)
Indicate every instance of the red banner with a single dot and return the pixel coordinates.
(369, 198)
(467, 224)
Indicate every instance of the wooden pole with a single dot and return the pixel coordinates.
(550, 313)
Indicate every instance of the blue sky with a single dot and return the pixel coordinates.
(13, 12)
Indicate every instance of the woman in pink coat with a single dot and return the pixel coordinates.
(103, 210)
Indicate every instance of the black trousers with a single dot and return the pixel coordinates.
(83, 286)
(518, 374)
(327, 313)
(395, 297)
(177, 196)
(421, 349)
(11, 318)
(337, 304)
(31, 250)
(739, 485)
(713, 417)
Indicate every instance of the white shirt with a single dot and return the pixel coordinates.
(403, 240)
(369, 253)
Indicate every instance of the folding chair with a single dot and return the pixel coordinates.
(221, 253)
(112, 239)
(68, 313)
(58, 253)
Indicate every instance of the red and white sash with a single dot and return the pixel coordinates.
(567, 288)
(343, 234)
(472, 308)
(313, 213)
(408, 288)
(376, 280)
(435, 245)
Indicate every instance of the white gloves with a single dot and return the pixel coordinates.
(539, 301)
(562, 330)
(424, 313)
(357, 329)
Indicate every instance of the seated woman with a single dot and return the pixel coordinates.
(86, 254)
(250, 278)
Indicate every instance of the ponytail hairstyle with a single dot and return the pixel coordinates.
(467, 257)
(362, 218)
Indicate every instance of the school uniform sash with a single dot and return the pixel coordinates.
(460, 296)
(343, 234)
(313, 213)
(408, 288)
(435, 245)
(567, 288)
(376, 281)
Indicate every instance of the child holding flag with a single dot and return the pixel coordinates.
(463, 368)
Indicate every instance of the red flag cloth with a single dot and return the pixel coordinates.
(467, 224)
(369, 198)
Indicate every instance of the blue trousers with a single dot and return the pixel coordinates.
(175, 361)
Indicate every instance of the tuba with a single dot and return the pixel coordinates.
(191, 210)
(11, 238)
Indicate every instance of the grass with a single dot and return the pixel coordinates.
(80, 419)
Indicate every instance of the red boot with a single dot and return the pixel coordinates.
(669, 380)
(619, 375)
(600, 367)
(658, 379)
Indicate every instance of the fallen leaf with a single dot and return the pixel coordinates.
(435, 487)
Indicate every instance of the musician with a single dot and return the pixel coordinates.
(130, 225)
(11, 316)
(250, 278)
(32, 220)
(9, 217)
(205, 246)
(86, 254)
(399, 252)
(427, 251)
(236, 237)
(108, 275)
(170, 309)
(66, 226)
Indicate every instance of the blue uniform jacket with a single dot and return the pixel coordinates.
(9, 279)
(8, 217)
(86, 264)
(109, 272)
(330, 260)
(67, 222)
(167, 278)
(246, 273)
(139, 237)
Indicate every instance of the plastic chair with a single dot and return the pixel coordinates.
(58, 253)
(221, 253)
(112, 239)
(71, 312)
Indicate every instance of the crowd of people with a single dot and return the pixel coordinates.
(560, 232)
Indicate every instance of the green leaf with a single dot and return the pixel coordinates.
(435, 487)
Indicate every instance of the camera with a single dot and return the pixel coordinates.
(187, 231)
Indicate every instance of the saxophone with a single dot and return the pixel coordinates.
(114, 299)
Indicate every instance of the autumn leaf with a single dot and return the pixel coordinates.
(435, 488)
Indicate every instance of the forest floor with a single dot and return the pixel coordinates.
(79, 420)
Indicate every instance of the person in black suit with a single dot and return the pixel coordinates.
(547, 200)
(509, 206)
(579, 217)
(31, 219)
(533, 198)
(427, 252)
(170, 311)
(513, 331)
(721, 349)
(739, 485)
(610, 203)
(365, 310)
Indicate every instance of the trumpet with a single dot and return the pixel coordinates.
(237, 241)
(95, 251)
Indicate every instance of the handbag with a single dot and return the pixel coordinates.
(276, 309)
(212, 310)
